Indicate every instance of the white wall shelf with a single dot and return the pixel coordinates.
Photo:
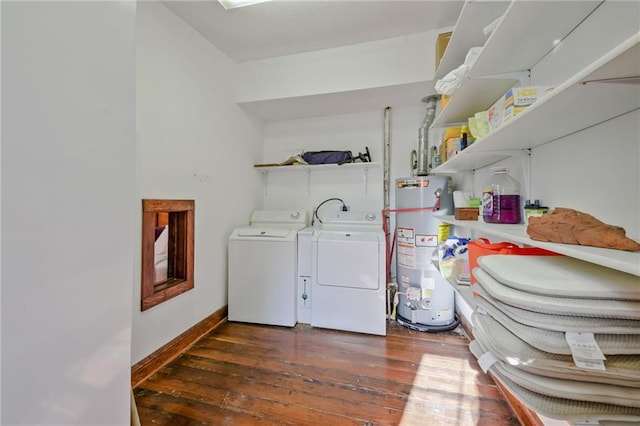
(469, 161)
(473, 18)
(308, 169)
(605, 89)
(318, 167)
(506, 52)
(624, 261)
(494, 71)
(467, 294)
(472, 96)
(337, 103)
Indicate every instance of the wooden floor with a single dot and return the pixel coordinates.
(245, 374)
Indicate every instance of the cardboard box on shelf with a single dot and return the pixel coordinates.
(451, 132)
(494, 115)
(452, 147)
(444, 100)
(518, 99)
(442, 152)
(441, 45)
(510, 112)
(466, 213)
(524, 96)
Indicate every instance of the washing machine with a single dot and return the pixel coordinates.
(348, 273)
(263, 268)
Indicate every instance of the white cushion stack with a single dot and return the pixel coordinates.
(526, 304)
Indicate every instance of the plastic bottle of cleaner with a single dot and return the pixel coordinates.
(501, 198)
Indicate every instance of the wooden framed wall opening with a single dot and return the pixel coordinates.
(167, 249)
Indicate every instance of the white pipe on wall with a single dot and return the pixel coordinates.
(387, 155)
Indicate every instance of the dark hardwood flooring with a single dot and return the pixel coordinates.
(246, 374)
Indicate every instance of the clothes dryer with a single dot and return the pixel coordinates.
(263, 268)
(348, 273)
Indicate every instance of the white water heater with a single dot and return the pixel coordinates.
(426, 299)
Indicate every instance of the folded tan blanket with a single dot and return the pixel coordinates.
(570, 226)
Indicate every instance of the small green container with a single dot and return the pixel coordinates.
(533, 210)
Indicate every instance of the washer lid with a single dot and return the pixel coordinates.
(279, 218)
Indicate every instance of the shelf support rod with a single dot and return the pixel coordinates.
(265, 183)
(365, 173)
(525, 157)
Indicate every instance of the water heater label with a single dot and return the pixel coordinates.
(426, 240)
(405, 235)
(427, 283)
(407, 255)
(413, 183)
(423, 258)
(404, 280)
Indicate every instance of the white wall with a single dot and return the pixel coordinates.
(68, 127)
(385, 63)
(0, 220)
(377, 64)
(291, 189)
(193, 142)
(381, 63)
(611, 23)
(595, 170)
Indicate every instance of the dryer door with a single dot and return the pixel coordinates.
(348, 260)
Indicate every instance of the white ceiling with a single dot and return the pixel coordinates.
(286, 27)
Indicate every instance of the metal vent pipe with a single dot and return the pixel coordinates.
(423, 134)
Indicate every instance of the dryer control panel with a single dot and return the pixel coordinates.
(352, 220)
(284, 217)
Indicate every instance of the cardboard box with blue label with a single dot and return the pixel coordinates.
(518, 99)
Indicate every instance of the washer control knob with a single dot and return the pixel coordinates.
(295, 215)
(370, 216)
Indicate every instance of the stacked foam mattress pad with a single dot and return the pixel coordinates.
(562, 335)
